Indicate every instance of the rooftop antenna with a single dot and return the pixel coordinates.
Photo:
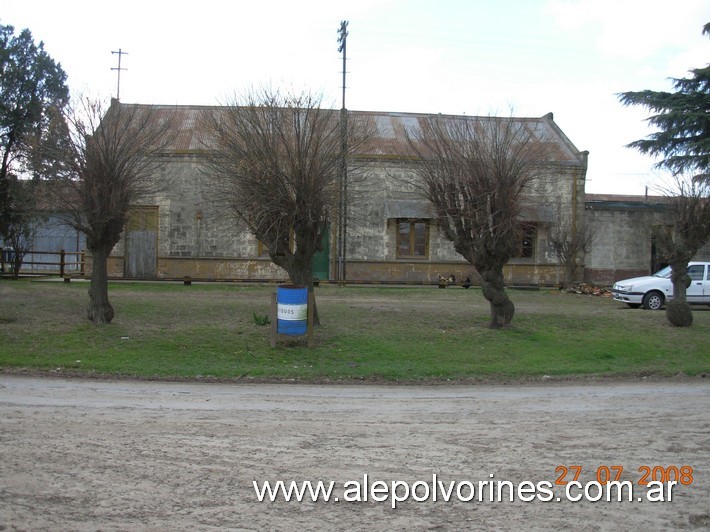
(118, 86)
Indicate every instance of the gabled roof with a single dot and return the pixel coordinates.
(391, 129)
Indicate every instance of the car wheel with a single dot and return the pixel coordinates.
(653, 301)
(634, 305)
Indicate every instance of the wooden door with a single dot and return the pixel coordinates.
(141, 256)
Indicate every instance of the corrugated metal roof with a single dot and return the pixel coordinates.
(626, 202)
(391, 131)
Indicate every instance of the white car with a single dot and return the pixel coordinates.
(652, 291)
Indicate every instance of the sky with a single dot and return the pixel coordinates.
(473, 57)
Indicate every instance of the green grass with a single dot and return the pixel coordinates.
(167, 330)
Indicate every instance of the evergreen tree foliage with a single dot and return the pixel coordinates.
(31, 83)
(683, 120)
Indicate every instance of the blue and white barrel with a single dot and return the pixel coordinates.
(292, 309)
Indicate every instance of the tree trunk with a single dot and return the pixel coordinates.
(99, 310)
(570, 272)
(678, 310)
(304, 277)
(17, 258)
(502, 308)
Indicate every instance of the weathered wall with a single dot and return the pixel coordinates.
(623, 239)
(195, 240)
(555, 199)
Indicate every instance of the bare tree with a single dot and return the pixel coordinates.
(474, 172)
(689, 204)
(571, 245)
(107, 162)
(275, 162)
(21, 228)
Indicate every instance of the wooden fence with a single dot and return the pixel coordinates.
(63, 265)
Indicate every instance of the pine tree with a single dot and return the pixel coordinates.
(683, 119)
(31, 83)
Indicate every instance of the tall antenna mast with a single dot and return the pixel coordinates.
(343, 199)
(343, 40)
(118, 87)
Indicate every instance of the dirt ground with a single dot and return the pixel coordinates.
(131, 455)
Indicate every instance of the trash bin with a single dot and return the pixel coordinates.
(292, 309)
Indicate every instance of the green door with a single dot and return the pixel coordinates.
(321, 259)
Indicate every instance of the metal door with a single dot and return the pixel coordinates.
(321, 259)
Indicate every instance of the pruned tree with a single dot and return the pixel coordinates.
(275, 161)
(108, 162)
(683, 140)
(31, 83)
(570, 246)
(474, 172)
(689, 206)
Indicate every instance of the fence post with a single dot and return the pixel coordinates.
(82, 258)
(309, 323)
(274, 321)
(2, 261)
(62, 256)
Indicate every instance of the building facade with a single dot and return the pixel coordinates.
(624, 244)
(392, 235)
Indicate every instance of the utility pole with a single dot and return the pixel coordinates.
(341, 273)
(118, 87)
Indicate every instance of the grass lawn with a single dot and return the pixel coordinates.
(167, 330)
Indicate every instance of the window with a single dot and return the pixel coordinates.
(526, 245)
(696, 272)
(412, 238)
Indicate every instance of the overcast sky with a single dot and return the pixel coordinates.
(568, 57)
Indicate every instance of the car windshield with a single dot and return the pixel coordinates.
(665, 272)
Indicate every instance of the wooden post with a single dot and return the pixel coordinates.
(62, 259)
(274, 317)
(82, 257)
(309, 320)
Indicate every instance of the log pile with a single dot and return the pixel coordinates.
(589, 289)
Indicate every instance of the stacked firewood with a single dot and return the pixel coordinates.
(589, 289)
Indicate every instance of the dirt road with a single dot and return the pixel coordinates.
(125, 455)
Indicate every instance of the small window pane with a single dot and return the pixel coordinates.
(419, 239)
(403, 240)
(696, 272)
(527, 241)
